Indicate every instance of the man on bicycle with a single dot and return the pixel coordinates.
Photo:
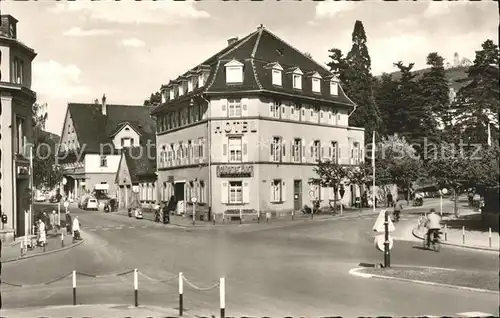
(433, 225)
(398, 207)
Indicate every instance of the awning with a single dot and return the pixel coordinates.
(104, 186)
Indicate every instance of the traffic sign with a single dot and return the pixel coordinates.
(380, 240)
(66, 204)
(379, 225)
(312, 194)
(194, 199)
(444, 191)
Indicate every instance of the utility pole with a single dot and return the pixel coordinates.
(387, 251)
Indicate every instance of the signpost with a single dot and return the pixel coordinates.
(384, 224)
(66, 205)
(312, 195)
(341, 192)
(193, 200)
(441, 193)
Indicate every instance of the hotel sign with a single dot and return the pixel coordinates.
(235, 127)
(235, 171)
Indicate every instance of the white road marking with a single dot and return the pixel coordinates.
(144, 226)
(105, 229)
(475, 314)
(131, 227)
(93, 230)
(119, 228)
(355, 272)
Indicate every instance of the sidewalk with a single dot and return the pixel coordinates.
(465, 231)
(93, 311)
(12, 252)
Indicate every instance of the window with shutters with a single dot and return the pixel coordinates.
(333, 152)
(234, 107)
(235, 192)
(297, 149)
(201, 153)
(202, 196)
(235, 149)
(315, 150)
(275, 110)
(276, 191)
(276, 149)
(180, 153)
(189, 154)
(172, 155)
(355, 154)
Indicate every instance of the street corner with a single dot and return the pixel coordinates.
(470, 280)
(13, 253)
(460, 241)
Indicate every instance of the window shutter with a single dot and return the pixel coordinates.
(271, 151)
(292, 151)
(330, 155)
(322, 155)
(271, 186)
(224, 192)
(361, 156)
(303, 150)
(283, 191)
(244, 107)
(244, 149)
(224, 109)
(339, 155)
(283, 148)
(224, 152)
(246, 192)
(311, 153)
(271, 107)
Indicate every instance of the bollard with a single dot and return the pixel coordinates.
(463, 235)
(74, 288)
(445, 232)
(222, 298)
(22, 247)
(489, 235)
(44, 247)
(181, 292)
(293, 214)
(136, 286)
(62, 239)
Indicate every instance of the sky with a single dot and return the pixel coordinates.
(128, 49)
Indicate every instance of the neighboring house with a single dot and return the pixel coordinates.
(136, 177)
(245, 129)
(16, 102)
(92, 138)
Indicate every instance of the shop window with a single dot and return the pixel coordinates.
(235, 192)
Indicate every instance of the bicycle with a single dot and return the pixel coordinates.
(435, 244)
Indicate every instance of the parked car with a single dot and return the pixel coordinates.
(91, 204)
(40, 197)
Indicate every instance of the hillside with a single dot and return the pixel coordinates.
(457, 76)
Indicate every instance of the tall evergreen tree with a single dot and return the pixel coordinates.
(435, 94)
(385, 95)
(477, 103)
(355, 74)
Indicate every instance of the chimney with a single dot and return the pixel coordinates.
(231, 41)
(103, 104)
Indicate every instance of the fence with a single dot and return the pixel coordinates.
(136, 273)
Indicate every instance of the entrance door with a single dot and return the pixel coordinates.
(297, 195)
(20, 213)
(179, 191)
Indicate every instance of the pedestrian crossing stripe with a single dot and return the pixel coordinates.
(475, 314)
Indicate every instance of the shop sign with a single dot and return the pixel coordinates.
(235, 127)
(235, 171)
(23, 170)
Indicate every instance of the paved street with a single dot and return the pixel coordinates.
(293, 269)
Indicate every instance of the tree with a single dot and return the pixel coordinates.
(44, 151)
(153, 100)
(360, 176)
(397, 162)
(354, 72)
(385, 97)
(435, 95)
(331, 175)
(477, 103)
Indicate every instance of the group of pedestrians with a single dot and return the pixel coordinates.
(46, 223)
(73, 226)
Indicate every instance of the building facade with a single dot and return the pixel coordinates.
(245, 129)
(16, 102)
(92, 139)
(136, 178)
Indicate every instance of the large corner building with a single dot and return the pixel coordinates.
(245, 128)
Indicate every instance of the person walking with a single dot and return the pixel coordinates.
(398, 207)
(43, 235)
(68, 223)
(53, 221)
(390, 203)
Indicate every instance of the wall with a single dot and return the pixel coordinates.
(5, 65)
(123, 174)
(91, 179)
(26, 67)
(68, 135)
(124, 133)
(93, 164)
(7, 167)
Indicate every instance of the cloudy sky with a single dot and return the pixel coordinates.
(128, 49)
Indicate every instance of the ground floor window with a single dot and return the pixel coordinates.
(235, 192)
(276, 193)
(202, 197)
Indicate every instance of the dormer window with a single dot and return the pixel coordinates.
(165, 95)
(334, 86)
(234, 72)
(297, 78)
(277, 72)
(203, 72)
(316, 82)
(190, 84)
(183, 88)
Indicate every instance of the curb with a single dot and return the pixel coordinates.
(356, 272)
(43, 253)
(473, 247)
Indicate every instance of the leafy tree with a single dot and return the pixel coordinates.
(435, 94)
(47, 173)
(355, 74)
(360, 176)
(385, 97)
(478, 103)
(153, 100)
(331, 175)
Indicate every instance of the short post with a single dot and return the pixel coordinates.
(136, 291)
(312, 210)
(45, 246)
(445, 232)
(441, 206)
(59, 212)
(341, 208)
(22, 248)
(293, 214)
(387, 255)
(463, 235)
(222, 290)
(489, 235)
(74, 288)
(194, 213)
(241, 216)
(181, 292)
(62, 239)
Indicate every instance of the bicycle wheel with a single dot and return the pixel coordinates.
(425, 241)
(436, 246)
